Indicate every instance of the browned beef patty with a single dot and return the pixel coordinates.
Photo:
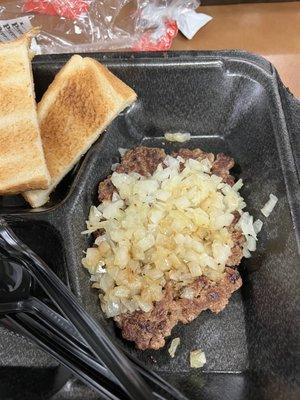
(149, 329)
(143, 160)
(221, 167)
(237, 250)
(221, 164)
(194, 154)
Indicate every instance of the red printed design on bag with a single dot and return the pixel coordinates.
(163, 43)
(70, 9)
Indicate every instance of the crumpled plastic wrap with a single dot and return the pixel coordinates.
(95, 25)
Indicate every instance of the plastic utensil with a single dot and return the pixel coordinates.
(26, 327)
(97, 339)
(16, 286)
(15, 297)
(85, 367)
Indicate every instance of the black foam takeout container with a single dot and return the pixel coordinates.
(232, 102)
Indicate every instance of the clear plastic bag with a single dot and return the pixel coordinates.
(95, 25)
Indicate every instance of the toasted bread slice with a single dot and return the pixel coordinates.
(80, 103)
(22, 161)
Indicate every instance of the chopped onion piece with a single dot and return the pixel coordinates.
(144, 306)
(106, 282)
(187, 293)
(177, 137)
(269, 206)
(222, 220)
(87, 232)
(238, 185)
(146, 243)
(258, 224)
(180, 159)
(221, 252)
(197, 359)
(113, 308)
(100, 238)
(156, 216)
(112, 209)
(94, 216)
(171, 162)
(251, 243)
(92, 260)
(122, 151)
(163, 195)
(114, 166)
(182, 202)
(173, 347)
(246, 253)
(115, 197)
(246, 224)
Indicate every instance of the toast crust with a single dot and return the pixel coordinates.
(80, 103)
(22, 161)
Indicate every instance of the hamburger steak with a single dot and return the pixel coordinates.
(149, 329)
